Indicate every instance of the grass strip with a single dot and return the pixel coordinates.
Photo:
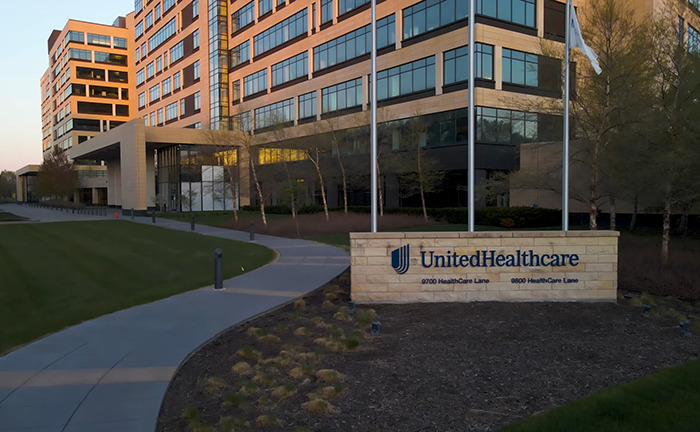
(59, 274)
(665, 401)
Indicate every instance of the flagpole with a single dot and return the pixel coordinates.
(373, 127)
(470, 124)
(565, 161)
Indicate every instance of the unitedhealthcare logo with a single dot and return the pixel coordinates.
(400, 259)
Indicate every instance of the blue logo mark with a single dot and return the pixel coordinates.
(400, 259)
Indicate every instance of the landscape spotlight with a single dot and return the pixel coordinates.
(645, 310)
(351, 307)
(685, 326)
(375, 328)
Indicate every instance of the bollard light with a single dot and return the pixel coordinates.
(153, 216)
(685, 328)
(645, 310)
(132, 213)
(252, 231)
(218, 269)
(351, 307)
(376, 325)
(192, 223)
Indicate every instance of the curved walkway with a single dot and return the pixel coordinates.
(111, 373)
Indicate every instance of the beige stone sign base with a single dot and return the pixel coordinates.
(407, 267)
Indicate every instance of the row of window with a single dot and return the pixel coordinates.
(99, 57)
(169, 85)
(94, 39)
(519, 68)
(172, 111)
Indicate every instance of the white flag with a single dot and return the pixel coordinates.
(576, 40)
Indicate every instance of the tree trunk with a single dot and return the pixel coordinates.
(613, 214)
(345, 181)
(593, 192)
(633, 222)
(258, 188)
(420, 183)
(232, 174)
(320, 180)
(666, 234)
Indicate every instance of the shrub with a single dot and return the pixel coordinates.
(267, 421)
(319, 407)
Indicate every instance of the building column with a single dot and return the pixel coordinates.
(134, 175)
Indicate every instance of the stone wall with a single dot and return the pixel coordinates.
(484, 266)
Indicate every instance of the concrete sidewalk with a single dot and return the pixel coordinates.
(111, 373)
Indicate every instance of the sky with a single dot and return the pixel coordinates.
(27, 26)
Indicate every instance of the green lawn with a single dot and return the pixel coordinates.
(55, 275)
(9, 217)
(665, 401)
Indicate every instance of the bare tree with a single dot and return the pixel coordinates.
(673, 131)
(57, 177)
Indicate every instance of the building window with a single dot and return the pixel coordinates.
(348, 5)
(307, 105)
(264, 6)
(115, 59)
(273, 114)
(159, 65)
(98, 39)
(342, 96)
(167, 86)
(240, 54)
(162, 35)
(519, 68)
(197, 101)
(154, 93)
(354, 44)
(150, 71)
(282, 32)
(176, 81)
(501, 126)
(693, 39)
(242, 121)
(153, 118)
(290, 69)
(177, 52)
(160, 116)
(195, 8)
(406, 79)
(516, 11)
(431, 14)
(195, 39)
(171, 111)
(142, 100)
(78, 54)
(167, 4)
(138, 5)
(138, 28)
(456, 64)
(138, 54)
(149, 20)
(119, 42)
(255, 83)
(182, 107)
(140, 77)
(196, 70)
(326, 11)
(243, 16)
(74, 36)
(158, 12)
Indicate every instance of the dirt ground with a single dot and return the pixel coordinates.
(433, 367)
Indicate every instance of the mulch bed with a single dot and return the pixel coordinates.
(433, 367)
